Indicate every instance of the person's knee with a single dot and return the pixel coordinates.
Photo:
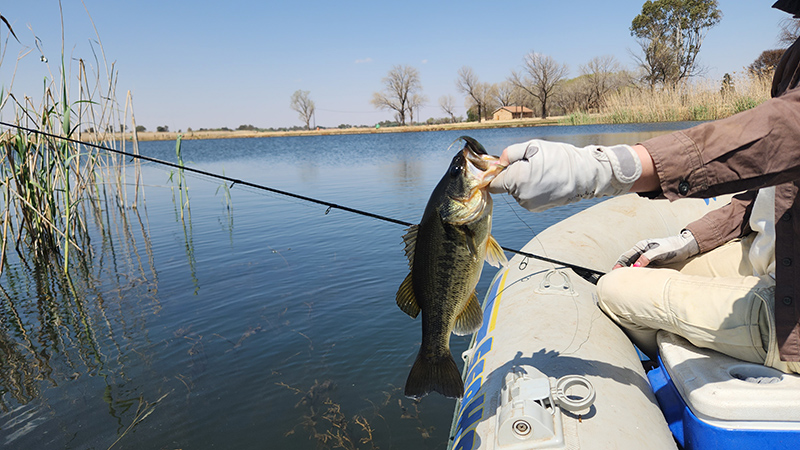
(612, 288)
(635, 296)
(617, 298)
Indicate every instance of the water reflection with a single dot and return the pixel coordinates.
(406, 172)
(56, 329)
(294, 339)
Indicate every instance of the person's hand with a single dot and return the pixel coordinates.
(542, 174)
(661, 251)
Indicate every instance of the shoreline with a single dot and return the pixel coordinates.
(220, 134)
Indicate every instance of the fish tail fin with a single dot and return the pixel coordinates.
(438, 374)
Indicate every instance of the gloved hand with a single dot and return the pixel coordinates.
(544, 174)
(661, 251)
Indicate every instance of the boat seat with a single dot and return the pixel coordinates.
(726, 392)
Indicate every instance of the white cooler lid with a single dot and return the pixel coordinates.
(714, 387)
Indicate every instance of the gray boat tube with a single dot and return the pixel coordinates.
(548, 369)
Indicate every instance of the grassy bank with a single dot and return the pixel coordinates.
(698, 101)
(703, 100)
(219, 134)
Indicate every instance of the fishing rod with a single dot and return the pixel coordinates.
(589, 275)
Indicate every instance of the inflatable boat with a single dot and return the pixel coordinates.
(549, 370)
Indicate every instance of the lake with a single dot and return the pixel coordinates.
(252, 320)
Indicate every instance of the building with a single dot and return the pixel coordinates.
(512, 112)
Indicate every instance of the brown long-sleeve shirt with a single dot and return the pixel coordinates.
(745, 152)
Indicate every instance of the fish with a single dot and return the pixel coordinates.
(445, 252)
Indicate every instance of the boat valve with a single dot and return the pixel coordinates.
(531, 404)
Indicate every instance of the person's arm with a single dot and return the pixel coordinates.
(542, 174)
(724, 224)
(707, 233)
(750, 150)
(648, 181)
(747, 151)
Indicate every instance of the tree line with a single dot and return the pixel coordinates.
(669, 34)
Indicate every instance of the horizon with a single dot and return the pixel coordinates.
(194, 65)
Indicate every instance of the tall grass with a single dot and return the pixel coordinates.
(701, 100)
(44, 179)
(56, 313)
(183, 189)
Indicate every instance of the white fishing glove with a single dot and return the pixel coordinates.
(661, 251)
(544, 174)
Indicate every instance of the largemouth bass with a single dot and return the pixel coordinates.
(445, 254)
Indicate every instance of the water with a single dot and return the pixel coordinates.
(256, 321)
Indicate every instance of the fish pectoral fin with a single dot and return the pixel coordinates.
(471, 318)
(494, 253)
(469, 237)
(406, 299)
(410, 239)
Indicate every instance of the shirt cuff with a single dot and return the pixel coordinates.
(678, 164)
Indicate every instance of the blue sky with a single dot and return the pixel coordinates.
(205, 64)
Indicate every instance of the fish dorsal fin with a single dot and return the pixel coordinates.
(410, 239)
(406, 299)
(494, 253)
(471, 318)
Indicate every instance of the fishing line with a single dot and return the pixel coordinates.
(590, 275)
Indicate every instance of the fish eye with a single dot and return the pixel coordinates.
(455, 170)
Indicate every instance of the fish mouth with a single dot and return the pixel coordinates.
(479, 165)
(483, 168)
(473, 145)
(478, 169)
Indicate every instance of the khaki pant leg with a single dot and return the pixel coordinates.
(712, 300)
(720, 313)
(773, 359)
(729, 260)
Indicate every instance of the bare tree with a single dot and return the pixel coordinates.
(448, 105)
(603, 75)
(478, 94)
(507, 94)
(414, 103)
(657, 62)
(402, 92)
(302, 103)
(575, 96)
(790, 31)
(487, 92)
(540, 77)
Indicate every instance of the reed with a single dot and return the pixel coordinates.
(51, 321)
(697, 101)
(183, 189)
(580, 118)
(45, 179)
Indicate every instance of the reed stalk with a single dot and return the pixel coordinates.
(698, 101)
(183, 189)
(45, 179)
